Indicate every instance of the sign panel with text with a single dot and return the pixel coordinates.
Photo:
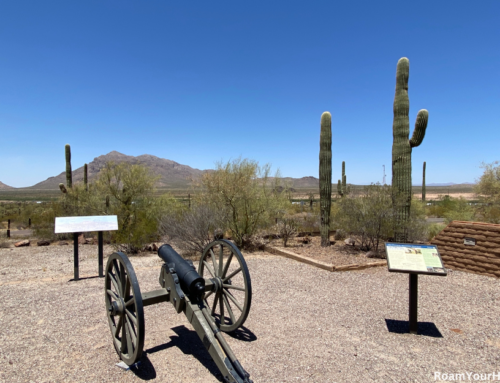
(412, 258)
(81, 224)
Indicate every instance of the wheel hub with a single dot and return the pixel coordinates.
(117, 307)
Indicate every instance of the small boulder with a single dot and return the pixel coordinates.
(306, 240)
(43, 243)
(81, 239)
(26, 242)
(62, 243)
(350, 241)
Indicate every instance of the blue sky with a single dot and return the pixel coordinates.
(198, 82)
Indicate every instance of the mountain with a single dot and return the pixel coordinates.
(5, 187)
(451, 184)
(172, 174)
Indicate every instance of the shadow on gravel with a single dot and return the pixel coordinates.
(403, 327)
(189, 343)
(243, 334)
(84, 278)
(145, 370)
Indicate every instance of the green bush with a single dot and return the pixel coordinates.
(370, 217)
(245, 195)
(434, 229)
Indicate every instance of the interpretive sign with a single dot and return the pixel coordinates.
(84, 224)
(77, 225)
(412, 258)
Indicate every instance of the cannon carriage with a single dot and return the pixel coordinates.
(215, 298)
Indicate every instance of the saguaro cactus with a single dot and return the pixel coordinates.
(402, 148)
(325, 176)
(85, 179)
(69, 180)
(423, 184)
(342, 185)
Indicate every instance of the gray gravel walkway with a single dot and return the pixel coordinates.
(305, 325)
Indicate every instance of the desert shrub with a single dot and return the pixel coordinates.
(130, 189)
(369, 217)
(434, 229)
(192, 229)
(417, 226)
(307, 222)
(460, 210)
(245, 195)
(339, 235)
(287, 228)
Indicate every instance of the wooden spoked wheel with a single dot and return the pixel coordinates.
(124, 308)
(230, 298)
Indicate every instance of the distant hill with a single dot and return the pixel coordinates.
(5, 187)
(172, 174)
(450, 184)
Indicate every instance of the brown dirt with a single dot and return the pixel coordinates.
(337, 254)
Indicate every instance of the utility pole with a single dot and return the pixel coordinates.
(383, 182)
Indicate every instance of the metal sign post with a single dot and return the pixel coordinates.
(78, 225)
(414, 259)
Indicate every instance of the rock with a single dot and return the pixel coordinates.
(43, 243)
(26, 242)
(350, 241)
(306, 240)
(151, 247)
(89, 241)
(375, 254)
(81, 239)
(62, 243)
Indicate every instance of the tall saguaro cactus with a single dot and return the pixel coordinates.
(69, 180)
(402, 148)
(85, 176)
(423, 184)
(325, 176)
(342, 185)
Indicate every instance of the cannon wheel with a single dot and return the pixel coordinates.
(124, 308)
(229, 301)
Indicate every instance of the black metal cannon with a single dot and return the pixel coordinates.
(218, 301)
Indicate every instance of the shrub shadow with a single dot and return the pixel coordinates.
(403, 327)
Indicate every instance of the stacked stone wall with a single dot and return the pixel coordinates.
(481, 258)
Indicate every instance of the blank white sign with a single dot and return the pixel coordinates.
(81, 224)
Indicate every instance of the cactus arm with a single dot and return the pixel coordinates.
(339, 188)
(63, 188)
(420, 126)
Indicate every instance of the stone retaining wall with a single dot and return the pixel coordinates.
(481, 258)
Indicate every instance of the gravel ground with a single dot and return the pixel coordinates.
(305, 325)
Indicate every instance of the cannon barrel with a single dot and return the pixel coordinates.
(191, 282)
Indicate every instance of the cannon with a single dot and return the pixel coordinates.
(215, 299)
